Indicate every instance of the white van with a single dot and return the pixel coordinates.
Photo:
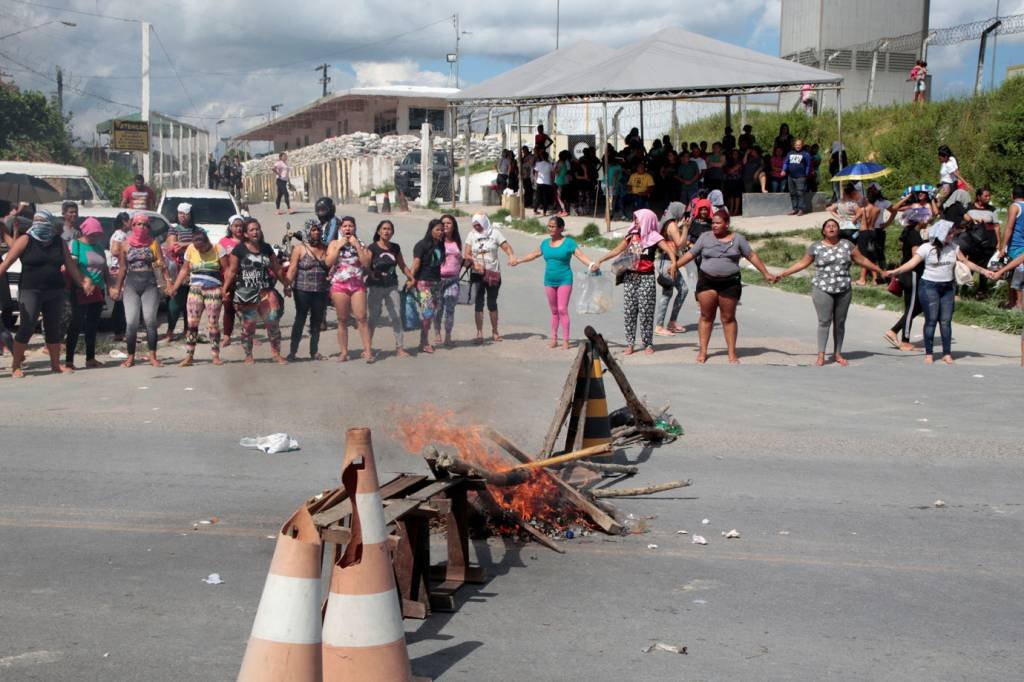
(73, 182)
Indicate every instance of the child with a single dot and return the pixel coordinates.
(918, 75)
(996, 276)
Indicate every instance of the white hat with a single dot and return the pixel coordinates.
(184, 208)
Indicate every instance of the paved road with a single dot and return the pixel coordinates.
(845, 568)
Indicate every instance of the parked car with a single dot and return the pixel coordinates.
(157, 225)
(211, 208)
(73, 182)
(407, 176)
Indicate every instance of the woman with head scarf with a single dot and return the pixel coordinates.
(227, 244)
(382, 283)
(636, 271)
(179, 236)
(482, 246)
(137, 283)
(450, 270)
(41, 288)
(307, 273)
(938, 285)
(676, 231)
(558, 251)
(91, 257)
(718, 281)
(249, 267)
(427, 258)
(203, 267)
(349, 259)
(831, 293)
(717, 201)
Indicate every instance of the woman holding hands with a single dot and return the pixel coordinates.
(558, 251)
(831, 294)
(718, 281)
(349, 259)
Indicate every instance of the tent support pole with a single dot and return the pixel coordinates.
(453, 121)
(607, 177)
(642, 144)
(519, 149)
(839, 114)
(728, 111)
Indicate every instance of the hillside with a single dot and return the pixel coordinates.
(986, 134)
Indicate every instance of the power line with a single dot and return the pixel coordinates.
(74, 11)
(169, 61)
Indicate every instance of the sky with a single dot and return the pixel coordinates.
(234, 59)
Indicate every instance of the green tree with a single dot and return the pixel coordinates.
(31, 128)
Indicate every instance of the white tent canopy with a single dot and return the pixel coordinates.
(671, 64)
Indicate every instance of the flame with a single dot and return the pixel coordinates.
(538, 500)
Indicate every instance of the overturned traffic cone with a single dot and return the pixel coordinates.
(597, 428)
(385, 207)
(285, 640)
(363, 638)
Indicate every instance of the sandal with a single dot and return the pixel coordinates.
(370, 358)
(892, 341)
(427, 348)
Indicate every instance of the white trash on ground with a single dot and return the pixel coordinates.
(699, 540)
(213, 579)
(272, 444)
(118, 354)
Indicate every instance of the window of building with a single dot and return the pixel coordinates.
(298, 141)
(419, 115)
(328, 133)
(305, 140)
(385, 122)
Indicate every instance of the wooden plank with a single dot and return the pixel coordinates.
(640, 411)
(564, 402)
(436, 488)
(578, 413)
(396, 509)
(394, 487)
(597, 515)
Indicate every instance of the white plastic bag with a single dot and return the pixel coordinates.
(596, 294)
(272, 444)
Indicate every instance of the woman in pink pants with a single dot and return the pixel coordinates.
(558, 251)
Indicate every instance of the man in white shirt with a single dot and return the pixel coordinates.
(542, 170)
(281, 171)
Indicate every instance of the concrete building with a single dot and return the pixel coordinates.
(394, 109)
(841, 36)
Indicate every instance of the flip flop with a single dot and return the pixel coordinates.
(895, 343)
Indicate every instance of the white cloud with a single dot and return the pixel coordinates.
(405, 72)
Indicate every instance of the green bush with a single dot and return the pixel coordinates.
(500, 215)
(590, 231)
(111, 178)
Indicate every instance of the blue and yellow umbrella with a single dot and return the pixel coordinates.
(861, 171)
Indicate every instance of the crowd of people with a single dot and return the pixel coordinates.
(225, 174)
(638, 177)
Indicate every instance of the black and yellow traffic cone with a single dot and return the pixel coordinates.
(386, 206)
(597, 428)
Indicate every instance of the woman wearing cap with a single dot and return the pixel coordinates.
(718, 281)
(137, 284)
(938, 285)
(558, 252)
(382, 283)
(203, 267)
(482, 246)
(88, 252)
(676, 231)
(227, 244)
(118, 240)
(643, 241)
(349, 258)
(451, 267)
(831, 293)
(41, 289)
(179, 236)
(307, 273)
(249, 268)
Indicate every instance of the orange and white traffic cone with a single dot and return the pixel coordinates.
(285, 640)
(363, 637)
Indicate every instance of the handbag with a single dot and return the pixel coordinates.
(962, 274)
(895, 288)
(465, 287)
(492, 278)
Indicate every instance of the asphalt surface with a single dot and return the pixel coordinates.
(845, 568)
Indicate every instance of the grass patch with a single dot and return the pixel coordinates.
(499, 215)
(986, 314)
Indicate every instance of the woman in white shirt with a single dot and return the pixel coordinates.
(949, 174)
(482, 245)
(938, 285)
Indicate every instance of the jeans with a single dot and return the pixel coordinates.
(177, 307)
(665, 295)
(832, 310)
(937, 303)
(797, 187)
(85, 317)
(776, 185)
(282, 193)
(311, 304)
(388, 298)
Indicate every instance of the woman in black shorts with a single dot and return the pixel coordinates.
(718, 280)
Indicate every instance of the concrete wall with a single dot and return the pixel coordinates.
(342, 179)
(798, 28)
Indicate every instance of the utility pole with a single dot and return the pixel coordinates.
(325, 79)
(981, 56)
(145, 94)
(458, 37)
(558, 20)
(60, 92)
(995, 44)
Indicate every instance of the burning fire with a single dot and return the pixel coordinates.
(538, 500)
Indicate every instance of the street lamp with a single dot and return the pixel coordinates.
(69, 24)
(216, 134)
